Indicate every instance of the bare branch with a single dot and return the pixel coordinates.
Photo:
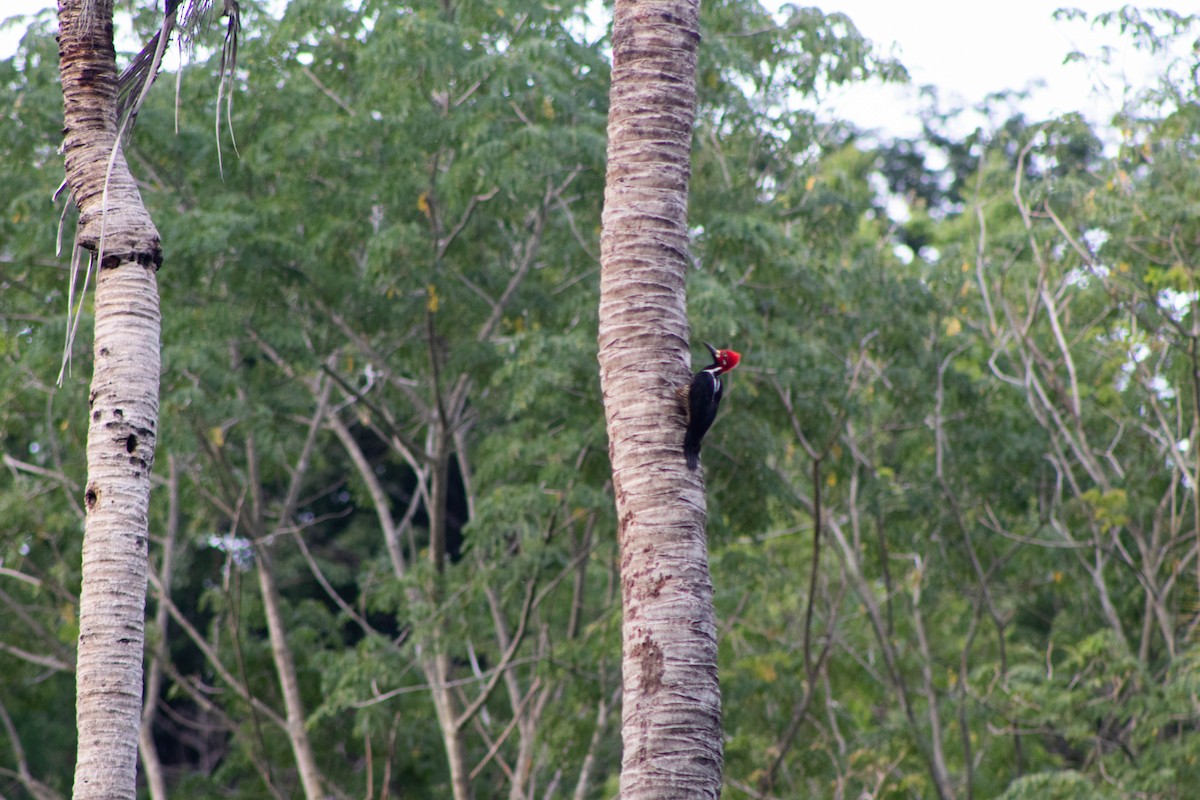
(39, 790)
(325, 90)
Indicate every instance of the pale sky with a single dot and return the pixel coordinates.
(971, 49)
(967, 49)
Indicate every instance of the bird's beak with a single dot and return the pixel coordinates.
(712, 350)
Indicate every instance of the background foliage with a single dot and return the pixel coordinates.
(953, 517)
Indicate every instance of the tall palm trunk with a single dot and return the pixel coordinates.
(671, 724)
(114, 226)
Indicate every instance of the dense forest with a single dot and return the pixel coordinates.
(952, 513)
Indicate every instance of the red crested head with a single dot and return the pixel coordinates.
(724, 360)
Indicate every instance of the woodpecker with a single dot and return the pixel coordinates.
(702, 397)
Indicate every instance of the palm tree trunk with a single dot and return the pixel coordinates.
(123, 406)
(671, 725)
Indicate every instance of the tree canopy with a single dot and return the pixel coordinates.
(952, 500)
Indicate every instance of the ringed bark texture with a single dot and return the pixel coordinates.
(88, 68)
(121, 443)
(671, 714)
(123, 421)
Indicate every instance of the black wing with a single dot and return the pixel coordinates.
(704, 397)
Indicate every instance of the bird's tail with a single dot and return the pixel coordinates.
(691, 449)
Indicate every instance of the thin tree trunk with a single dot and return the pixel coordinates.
(434, 661)
(438, 671)
(583, 783)
(671, 725)
(113, 225)
(289, 683)
(281, 652)
(937, 756)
